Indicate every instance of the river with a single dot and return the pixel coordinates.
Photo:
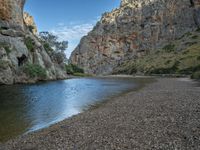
(27, 108)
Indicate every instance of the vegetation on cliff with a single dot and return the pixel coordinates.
(25, 57)
(35, 71)
(141, 34)
(74, 70)
(179, 57)
(54, 47)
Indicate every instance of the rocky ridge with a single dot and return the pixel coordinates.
(23, 58)
(135, 29)
(30, 23)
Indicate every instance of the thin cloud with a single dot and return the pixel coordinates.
(72, 33)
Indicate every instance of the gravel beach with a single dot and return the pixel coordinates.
(163, 115)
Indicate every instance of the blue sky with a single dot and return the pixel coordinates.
(68, 19)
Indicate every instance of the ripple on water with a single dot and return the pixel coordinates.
(26, 108)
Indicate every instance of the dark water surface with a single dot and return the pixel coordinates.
(26, 108)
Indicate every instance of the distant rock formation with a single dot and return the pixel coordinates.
(30, 23)
(135, 29)
(23, 58)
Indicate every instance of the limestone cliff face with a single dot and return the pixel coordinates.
(22, 55)
(30, 23)
(11, 12)
(135, 29)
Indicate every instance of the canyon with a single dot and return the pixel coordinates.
(134, 30)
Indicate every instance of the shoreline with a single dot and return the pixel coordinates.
(32, 81)
(162, 114)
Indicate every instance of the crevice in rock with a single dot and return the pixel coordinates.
(192, 3)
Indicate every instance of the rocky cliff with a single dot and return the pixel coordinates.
(23, 58)
(30, 23)
(135, 29)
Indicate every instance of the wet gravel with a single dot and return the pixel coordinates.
(163, 115)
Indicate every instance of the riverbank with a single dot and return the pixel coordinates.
(163, 115)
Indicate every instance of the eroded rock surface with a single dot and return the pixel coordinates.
(17, 43)
(29, 21)
(135, 29)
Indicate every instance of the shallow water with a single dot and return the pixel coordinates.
(26, 108)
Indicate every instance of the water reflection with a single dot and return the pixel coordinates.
(12, 112)
(26, 108)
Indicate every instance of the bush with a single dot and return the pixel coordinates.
(47, 47)
(58, 57)
(169, 48)
(72, 69)
(195, 37)
(198, 30)
(190, 70)
(81, 75)
(35, 71)
(190, 43)
(69, 69)
(167, 70)
(188, 34)
(6, 47)
(30, 44)
(196, 75)
(77, 69)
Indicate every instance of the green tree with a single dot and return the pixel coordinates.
(53, 41)
(55, 47)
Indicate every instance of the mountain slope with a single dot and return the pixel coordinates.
(181, 56)
(137, 28)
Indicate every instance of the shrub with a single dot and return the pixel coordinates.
(198, 30)
(30, 44)
(3, 28)
(169, 48)
(195, 37)
(196, 75)
(190, 43)
(81, 75)
(34, 70)
(69, 69)
(116, 52)
(188, 34)
(58, 57)
(6, 47)
(77, 69)
(190, 70)
(166, 70)
(72, 69)
(47, 47)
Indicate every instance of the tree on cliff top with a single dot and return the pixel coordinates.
(53, 41)
(55, 47)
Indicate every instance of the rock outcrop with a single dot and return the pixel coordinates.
(30, 23)
(11, 12)
(23, 58)
(135, 29)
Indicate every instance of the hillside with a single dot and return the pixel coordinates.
(138, 29)
(181, 56)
